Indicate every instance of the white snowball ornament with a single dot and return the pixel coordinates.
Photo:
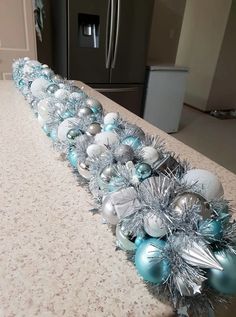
(208, 183)
(106, 138)
(149, 154)
(110, 117)
(154, 226)
(95, 150)
(64, 127)
(39, 87)
(62, 94)
(43, 108)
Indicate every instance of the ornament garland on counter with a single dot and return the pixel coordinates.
(172, 221)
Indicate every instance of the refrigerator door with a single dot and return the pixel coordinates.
(128, 96)
(133, 21)
(89, 38)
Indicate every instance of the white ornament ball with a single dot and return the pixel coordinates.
(62, 94)
(64, 127)
(149, 154)
(95, 150)
(43, 108)
(154, 226)
(110, 117)
(106, 138)
(38, 88)
(208, 183)
(41, 121)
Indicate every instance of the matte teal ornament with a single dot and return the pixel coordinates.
(150, 263)
(72, 157)
(134, 142)
(110, 127)
(224, 281)
(143, 171)
(211, 229)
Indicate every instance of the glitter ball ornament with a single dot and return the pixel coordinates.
(123, 153)
(110, 117)
(64, 128)
(153, 225)
(106, 138)
(149, 155)
(95, 150)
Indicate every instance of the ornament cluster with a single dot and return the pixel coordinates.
(172, 221)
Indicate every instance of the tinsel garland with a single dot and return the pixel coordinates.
(171, 220)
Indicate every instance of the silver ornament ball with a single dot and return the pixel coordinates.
(84, 112)
(94, 128)
(108, 211)
(124, 153)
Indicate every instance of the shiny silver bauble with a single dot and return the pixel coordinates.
(107, 173)
(108, 211)
(123, 240)
(84, 112)
(123, 153)
(83, 170)
(94, 128)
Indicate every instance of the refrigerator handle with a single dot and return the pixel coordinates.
(117, 34)
(109, 31)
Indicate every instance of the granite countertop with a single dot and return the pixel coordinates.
(56, 258)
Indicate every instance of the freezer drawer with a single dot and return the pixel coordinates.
(128, 96)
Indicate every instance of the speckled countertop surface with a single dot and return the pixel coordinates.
(56, 258)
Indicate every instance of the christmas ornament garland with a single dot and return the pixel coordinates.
(172, 221)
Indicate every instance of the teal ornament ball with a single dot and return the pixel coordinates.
(53, 134)
(132, 141)
(52, 88)
(66, 114)
(150, 262)
(143, 171)
(110, 127)
(211, 229)
(224, 281)
(138, 240)
(96, 109)
(72, 157)
(46, 130)
(73, 133)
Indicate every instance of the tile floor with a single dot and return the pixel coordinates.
(210, 136)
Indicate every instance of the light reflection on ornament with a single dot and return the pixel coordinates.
(224, 281)
(123, 240)
(150, 262)
(143, 170)
(134, 142)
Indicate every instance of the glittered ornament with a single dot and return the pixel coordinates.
(224, 281)
(64, 128)
(72, 157)
(61, 94)
(123, 240)
(110, 117)
(150, 262)
(143, 170)
(94, 128)
(123, 153)
(84, 112)
(149, 154)
(153, 225)
(207, 183)
(39, 87)
(95, 150)
(73, 133)
(77, 95)
(134, 142)
(106, 138)
(108, 211)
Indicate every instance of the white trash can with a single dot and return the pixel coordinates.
(165, 92)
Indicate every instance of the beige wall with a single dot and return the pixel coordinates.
(165, 31)
(200, 41)
(223, 92)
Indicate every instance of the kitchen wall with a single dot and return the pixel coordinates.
(200, 42)
(165, 31)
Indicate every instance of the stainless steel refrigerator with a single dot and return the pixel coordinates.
(104, 44)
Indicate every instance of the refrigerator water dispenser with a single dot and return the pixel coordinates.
(88, 30)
